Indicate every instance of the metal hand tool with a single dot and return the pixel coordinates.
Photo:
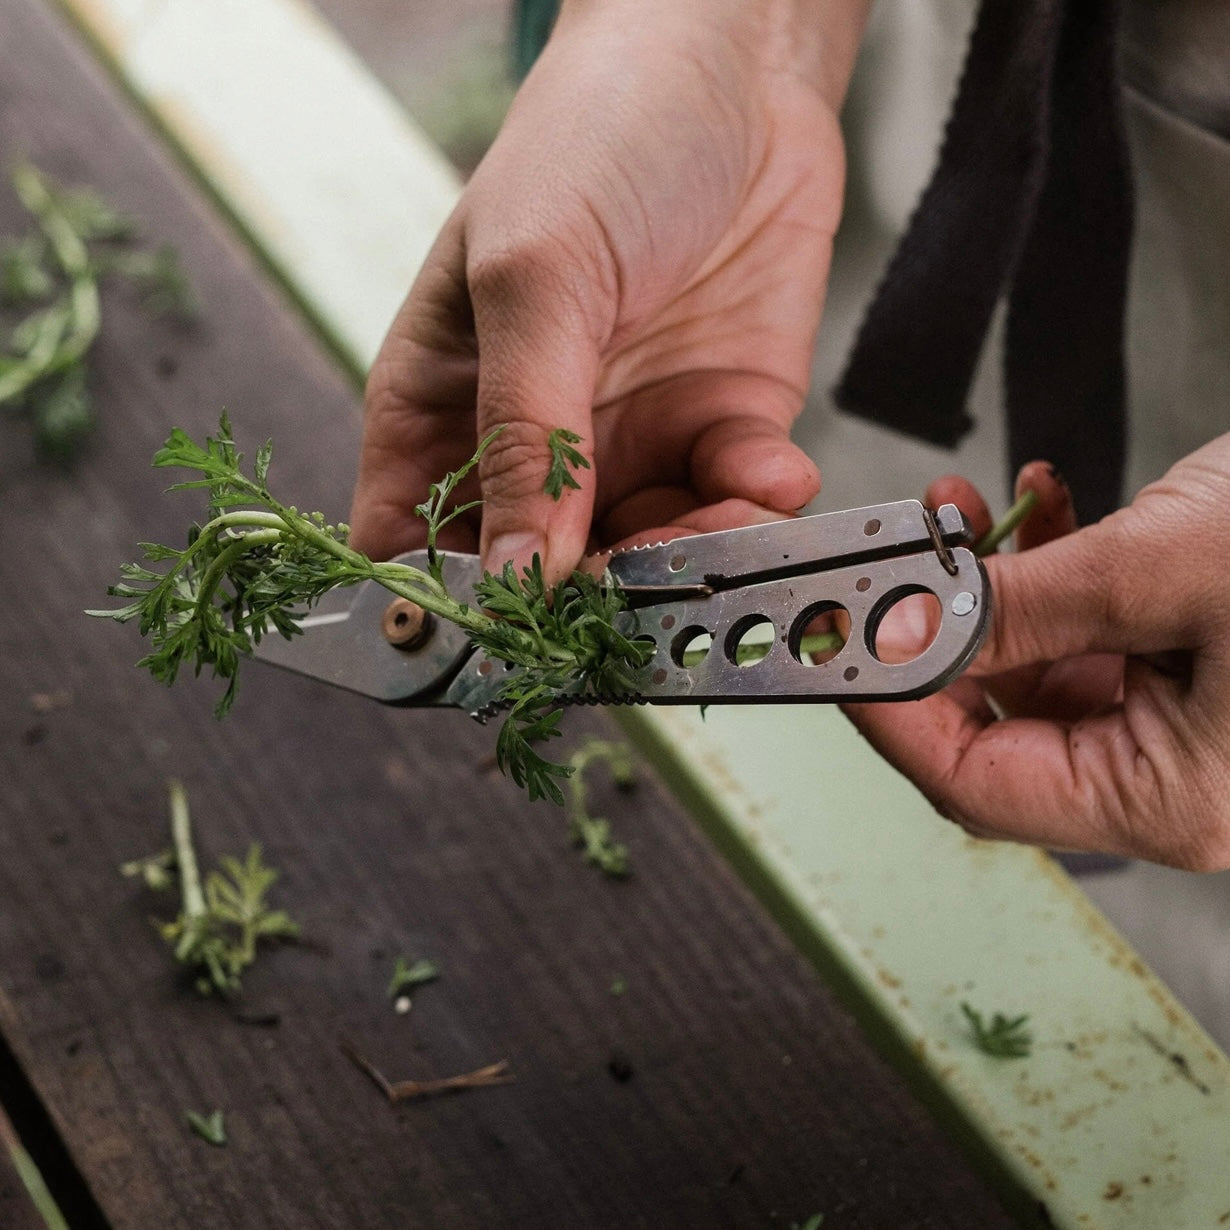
(732, 615)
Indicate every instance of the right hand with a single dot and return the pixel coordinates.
(641, 258)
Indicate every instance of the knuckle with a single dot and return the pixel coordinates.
(1179, 817)
(514, 467)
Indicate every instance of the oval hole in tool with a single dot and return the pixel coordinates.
(749, 640)
(819, 633)
(691, 646)
(903, 624)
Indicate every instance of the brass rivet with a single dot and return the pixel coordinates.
(405, 624)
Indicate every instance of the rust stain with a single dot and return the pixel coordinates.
(1079, 1115)
(1113, 1191)
(1111, 1082)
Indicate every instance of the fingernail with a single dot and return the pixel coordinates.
(517, 548)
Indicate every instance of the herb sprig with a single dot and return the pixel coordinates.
(1002, 1037)
(222, 917)
(564, 460)
(255, 565)
(593, 834)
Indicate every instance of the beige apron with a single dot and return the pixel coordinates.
(1176, 62)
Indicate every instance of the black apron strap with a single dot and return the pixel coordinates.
(1031, 198)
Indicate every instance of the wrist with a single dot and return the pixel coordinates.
(815, 41)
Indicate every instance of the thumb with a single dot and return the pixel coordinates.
(538, 361)
(1096, 590)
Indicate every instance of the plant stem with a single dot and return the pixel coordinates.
(31, 1177)
(192, 895)
(1007, 524)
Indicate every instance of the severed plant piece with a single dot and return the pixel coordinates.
(564, 460)
(210, 1128)
(410, 974)
(50, 311)
(593, 833)
(1003, 1037)
(223, 918)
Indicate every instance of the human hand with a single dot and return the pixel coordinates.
(640, 259)
(1109, 659)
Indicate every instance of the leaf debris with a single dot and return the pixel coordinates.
(593, 833)
(223, 918)
(209, 1128)
(50, 310)
(1003, 1037)
(565, 460)
(407, 975)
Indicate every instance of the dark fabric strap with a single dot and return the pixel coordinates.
(1031, 197)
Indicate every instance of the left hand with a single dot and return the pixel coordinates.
(1097, 716)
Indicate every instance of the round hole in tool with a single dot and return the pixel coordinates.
(691, 646)
(819, 633)
(749, 640)
(863, 584)
(871, 527)
(678, 563)
(668, 622)
(850, 674)
(903, 624)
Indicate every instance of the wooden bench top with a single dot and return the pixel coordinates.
(723, 1087)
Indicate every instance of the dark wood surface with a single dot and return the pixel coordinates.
(725, 1087)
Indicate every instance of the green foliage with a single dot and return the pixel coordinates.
(255, 566)
(566, 640)
(1003, 1038)
(221, 921)
(220, 940)
(210, 1128)
(593, 833)
(50, 312)
(410, 974)
(564, 460)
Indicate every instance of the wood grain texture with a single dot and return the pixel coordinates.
(724, 1088)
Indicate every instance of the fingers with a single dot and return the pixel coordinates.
(1139, 780)
(751, 457)
(953, 489)
(1023, 779)
(536, 335)
(1054, 515)
(419, 413)
(661, 514)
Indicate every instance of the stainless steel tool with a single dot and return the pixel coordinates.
(732, 615)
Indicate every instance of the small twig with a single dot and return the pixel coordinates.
(405, 1091)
